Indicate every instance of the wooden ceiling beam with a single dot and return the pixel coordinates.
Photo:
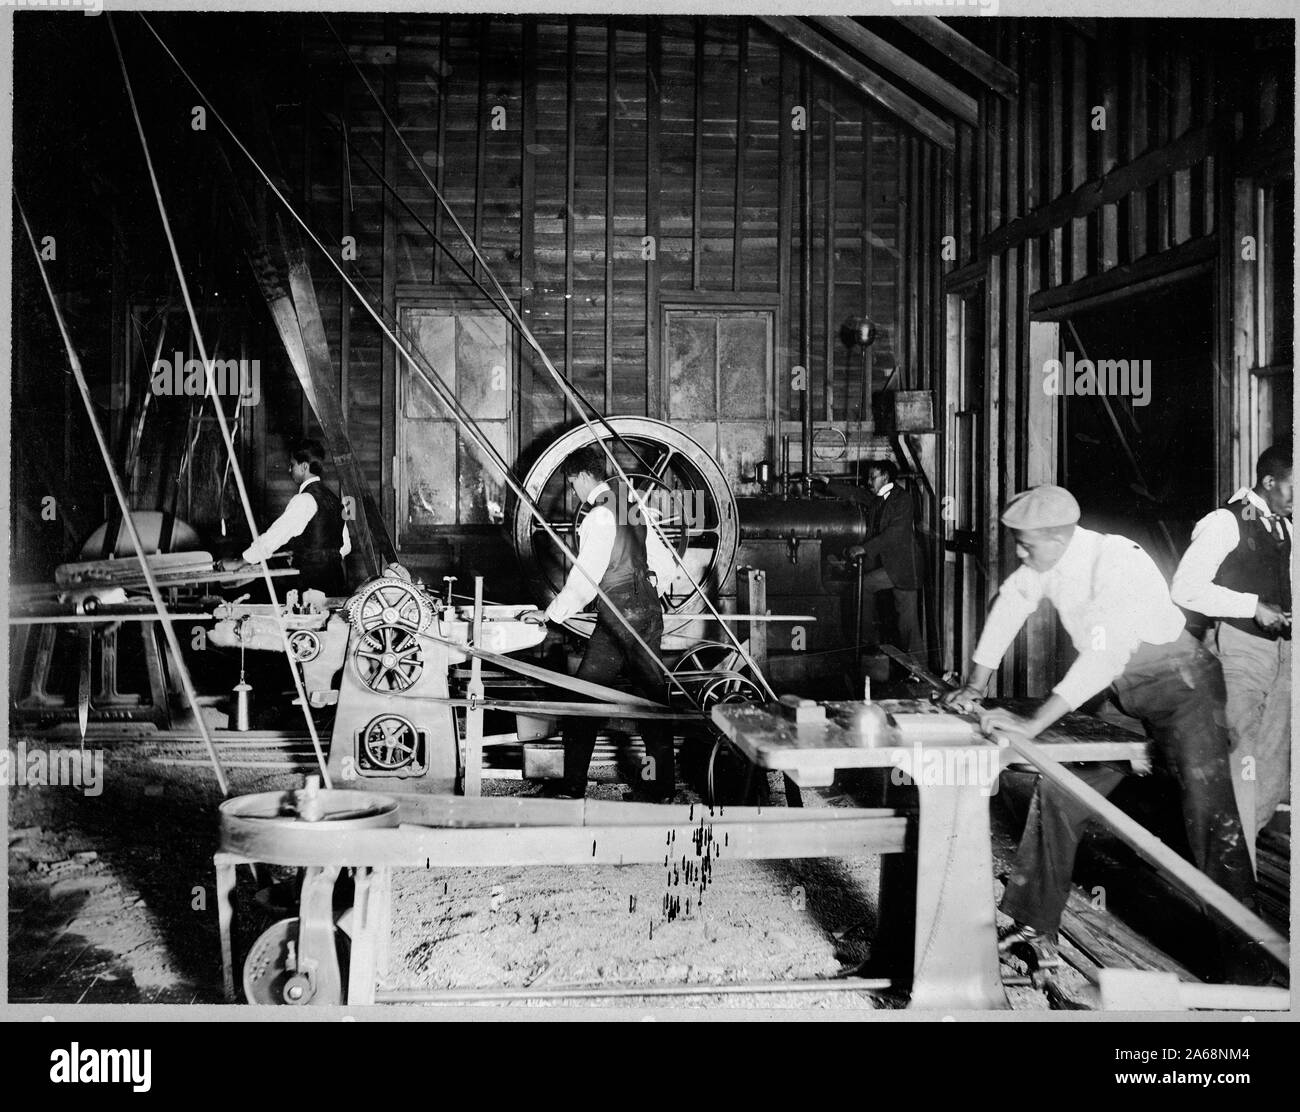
(1001, 79)
(864, 80)
(900, 64)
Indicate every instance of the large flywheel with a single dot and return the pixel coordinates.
(680, 483)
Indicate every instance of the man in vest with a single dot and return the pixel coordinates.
(618, 552)
(1238, 571)
(1132, 642)
(311, 528)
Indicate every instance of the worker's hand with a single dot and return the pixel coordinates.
(533, 617)
(963, 699)
(998, 719)
(1270, 617)
(234, 563)
(855, 552)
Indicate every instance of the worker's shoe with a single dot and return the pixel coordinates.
(1039, 946)
(652, 795)
(557, 789)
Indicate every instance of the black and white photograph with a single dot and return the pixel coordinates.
(694, 513)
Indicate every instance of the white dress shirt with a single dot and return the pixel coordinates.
(883, 492)
(1213, 539)
(300, 510)
(1110, 597)
(595, 546)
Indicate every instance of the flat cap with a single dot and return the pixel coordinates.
(1042, 507)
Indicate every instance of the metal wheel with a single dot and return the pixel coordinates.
(304, 645)
(676, 477)
(390, 742)
(731, 687)
(730, 780)
(271, 973)
(388, 659)
(389, 601)
(713, 666)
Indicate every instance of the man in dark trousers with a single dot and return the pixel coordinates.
(1131, 642)
(618, 552)
(1238, 570)
(311, 528)
(889, 551)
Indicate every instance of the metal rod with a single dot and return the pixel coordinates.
(433, 381)
(89, 619)
(565, 386)
(74, 363)
(218, 409)
(590, 992)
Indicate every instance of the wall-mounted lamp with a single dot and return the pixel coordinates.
(858, 332)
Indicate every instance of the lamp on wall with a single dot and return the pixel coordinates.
(858, 332)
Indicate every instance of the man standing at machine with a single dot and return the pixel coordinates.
(617, 551)
(889, 552)
(1115, 606)
(311, 528)
(1238, 570)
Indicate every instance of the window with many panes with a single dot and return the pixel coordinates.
(443, 478)
(718, 383)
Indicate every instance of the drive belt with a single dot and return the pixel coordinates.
(557, 679)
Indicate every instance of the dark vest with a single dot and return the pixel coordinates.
(1259, 565)
(323, 537)
(627, 561)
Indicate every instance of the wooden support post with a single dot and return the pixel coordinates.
(472, 783)
(751, 597)
(225, 864)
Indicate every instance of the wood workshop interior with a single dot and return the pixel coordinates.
(692, 512)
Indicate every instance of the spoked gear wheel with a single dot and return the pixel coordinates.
(717, 672)
(390, 742)
(730, 687)
(390, 601)
(388, 659)
(668, 469)
(271, 974)
(304, 645)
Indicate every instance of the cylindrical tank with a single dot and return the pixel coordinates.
(825, 519)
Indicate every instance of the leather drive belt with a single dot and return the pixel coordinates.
(563, 710)
(557, 679)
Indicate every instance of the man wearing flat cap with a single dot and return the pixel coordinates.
(1114, 603)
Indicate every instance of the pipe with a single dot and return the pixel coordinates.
(805, 293)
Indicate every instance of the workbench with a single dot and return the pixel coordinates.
(955, 964)
(955, 770)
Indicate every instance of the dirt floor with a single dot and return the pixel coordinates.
(111, 901)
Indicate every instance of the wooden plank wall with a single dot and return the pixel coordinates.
(1052, 213)
(615, 130)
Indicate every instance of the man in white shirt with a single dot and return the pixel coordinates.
(1115, 606)
(1238, 571)
(617, 551)
(312, 527)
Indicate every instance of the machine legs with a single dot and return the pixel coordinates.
(955, 956)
